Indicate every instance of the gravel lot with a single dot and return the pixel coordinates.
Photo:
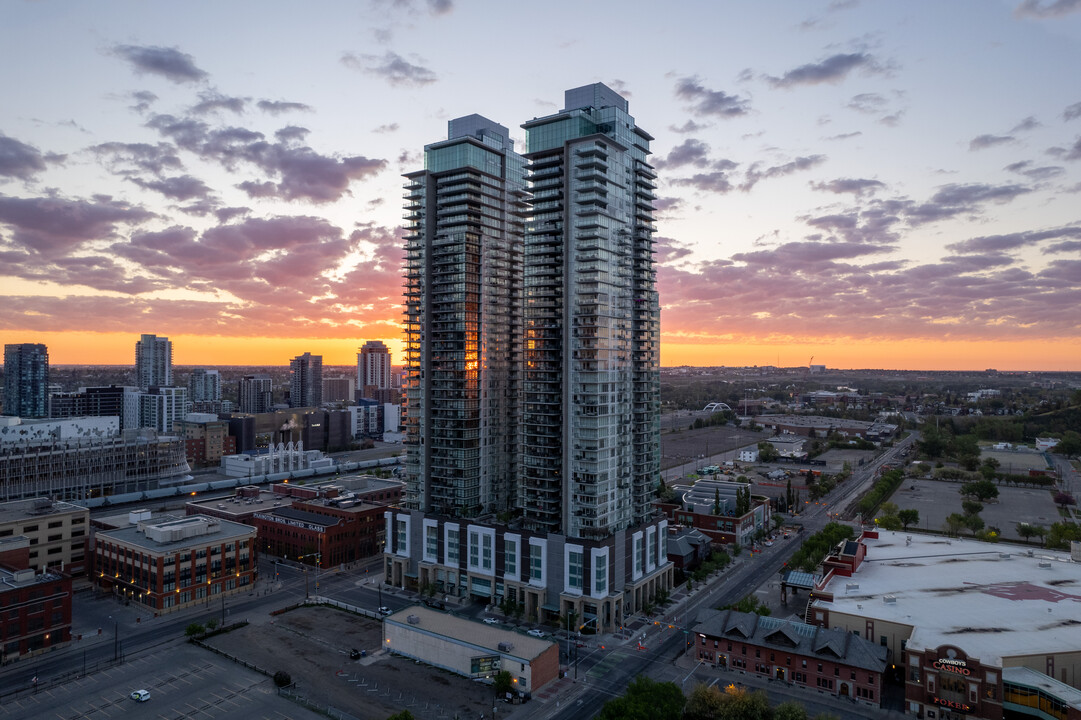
(312, 644)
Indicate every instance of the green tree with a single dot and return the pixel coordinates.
(982, 490)
(766, 452)
(282, 679)
(646, 699)
(971, 507)
(403, 715)
(704, 703)
(1026, 531)
(974, 523)
(716, 501)
(954, 523)
(790, 710)
(212, 624)
(1070, 444)
(742, 705)
(194, 629)
(503, 683)
(1062, 533)
(908, 517)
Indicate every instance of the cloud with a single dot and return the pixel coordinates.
(831, 70)
(845, 136)
(1037, 174)
(1013, 241)
(169, 63)
(955, 199)
(855, 186)
(1029, 123)
(278, 107)
(1072, 112)
(393, 68)
(981, 142)
(125, 158)
(301, 172)
(704, 101)
(50, 226)
(714, 182)
(868, 103)
(1047, 8)
(440, 7)
(689, 152)
(212, 101)
(19, 160)
(387, 128)
(1074, 153)
(688, 127)
(754, 175)
(143, 100)
(182, 188)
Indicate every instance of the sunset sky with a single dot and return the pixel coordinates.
(875, 184)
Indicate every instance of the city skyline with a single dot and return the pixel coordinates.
(874, 185)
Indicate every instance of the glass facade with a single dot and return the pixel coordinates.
(590, 433)
(26, 380)
(465, 225)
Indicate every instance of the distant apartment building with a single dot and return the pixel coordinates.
(206, 439)
(36, 606)
(26, 380)
(254, 394)
(57, 532)
(159, 408)
(153, 362)
(204, 385)
(77, 458)
(339, 390)
(306, 381)
(103, 401)
(713, 506)
(168, 562)
(373, 367)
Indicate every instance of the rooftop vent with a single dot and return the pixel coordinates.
(852, 586)
(413, 620)
(1004, 556)
(1045, 564)
(890, 599)
(505, 646)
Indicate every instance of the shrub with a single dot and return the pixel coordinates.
(282, 679)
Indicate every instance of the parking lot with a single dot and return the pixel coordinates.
(935, 499)
(313, 645)
(184, 681)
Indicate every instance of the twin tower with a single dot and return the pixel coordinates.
(532, 389)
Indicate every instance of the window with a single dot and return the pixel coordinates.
(600, 574)
(30, 529)
(452, 545)
(431, 541)
(536, 562)
(574, 569)
(55, 524)
(510, 557)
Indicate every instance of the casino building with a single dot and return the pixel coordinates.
(978, 630)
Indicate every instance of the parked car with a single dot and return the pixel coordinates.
(140, 695)
(536, 633)
(384, 610)
(357, 654)
(437, 604)
(491, 621)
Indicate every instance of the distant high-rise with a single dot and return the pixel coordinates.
(306, 381)
(153, 362)
(373, 366)
(26, 380)
(254, 394)
(463, 301)
(204, 385)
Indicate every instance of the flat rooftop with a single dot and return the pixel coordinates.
(31, 508)
(471, 632)
(991, 599)
(135, 537)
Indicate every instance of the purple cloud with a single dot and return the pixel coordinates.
(854, 186)
(19, 160)
(982, 142)
(831, 70)
(393, 68)
(754, 175)
(169, 63)
(51, 225)
(1047, 8)
(277, 107)
(704, 101)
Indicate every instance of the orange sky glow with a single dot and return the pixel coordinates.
(89, 348)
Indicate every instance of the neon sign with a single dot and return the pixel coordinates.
(952, 704)
(959, 667)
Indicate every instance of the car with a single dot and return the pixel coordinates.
(355, 654)
(140, 695)
(384, 610)
(536, 633)
(491, 621)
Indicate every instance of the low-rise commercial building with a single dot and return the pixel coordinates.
(56, 531)
(169, 562)
(832, 661)
(963, 618)
(713, 506)
(36, 607)
(471, 649)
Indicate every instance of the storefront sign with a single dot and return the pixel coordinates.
(960, 667)
(952, 704)
(291, 522)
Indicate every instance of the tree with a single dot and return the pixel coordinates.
(974, 523)
(503, 683)
(742, 705)
(646, 699)
(982, 490)
(766, 452)
(194, 629)
(989, 468)
(716, 501)
(403, 715)
(1026, 531)
(971, 507)
(1070, 444)
(790, 710)
(1062, 499)
(908, 517)
(282, 679)
(954, 523)
(212, 624)
(704, 703)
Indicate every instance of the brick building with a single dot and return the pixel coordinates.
(169, 562)
(832, 661)
(56, 532)
(206, 439)
(36, 607)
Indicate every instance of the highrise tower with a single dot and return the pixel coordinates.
(26, 380)
(463, 321)
(373, 366)
(153, 362)
(306, 381)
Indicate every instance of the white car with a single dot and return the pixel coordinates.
(140, 695)
(536, 633)
(491, 621)
(384, 610)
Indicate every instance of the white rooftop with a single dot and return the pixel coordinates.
(993, 600)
